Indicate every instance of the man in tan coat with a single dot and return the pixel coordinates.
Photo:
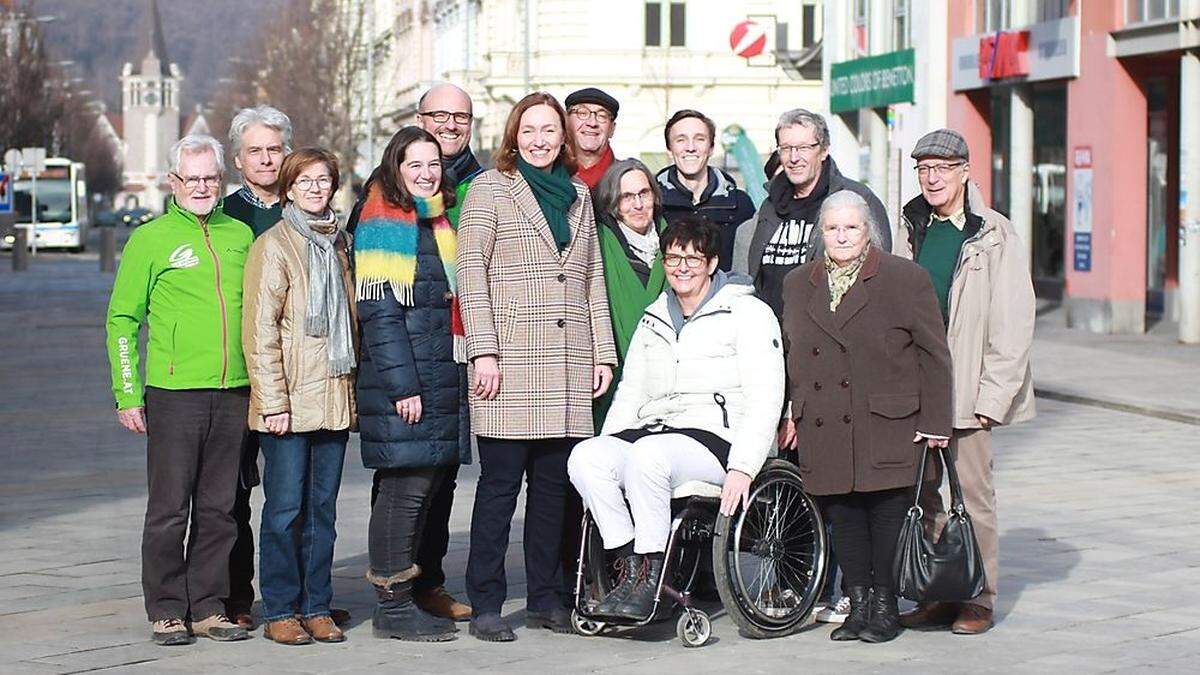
(980, 272)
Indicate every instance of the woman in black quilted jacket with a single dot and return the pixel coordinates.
(412, 380)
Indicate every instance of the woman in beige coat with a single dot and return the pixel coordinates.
(299, 344)
(539, 341)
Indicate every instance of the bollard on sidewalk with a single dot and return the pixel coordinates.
(20, 250)
(108, 249)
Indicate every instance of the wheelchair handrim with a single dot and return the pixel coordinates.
(777, 536)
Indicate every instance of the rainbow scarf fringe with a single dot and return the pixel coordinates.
(385, 253)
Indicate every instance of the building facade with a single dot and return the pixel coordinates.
(1072, 110)
(655, 57)
(150, 91)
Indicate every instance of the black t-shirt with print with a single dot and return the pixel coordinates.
(790, 244)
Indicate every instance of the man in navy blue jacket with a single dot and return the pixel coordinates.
(690, 187)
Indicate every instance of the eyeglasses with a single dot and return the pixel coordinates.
(307, 184)
(939, 170)
(691, 261)
(801, 149)
(443, 116)
(644, 196)
(193, 182)
(583, 115)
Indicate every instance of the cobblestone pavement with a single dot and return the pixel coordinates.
(1100, 544)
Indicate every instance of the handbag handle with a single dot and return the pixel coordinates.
(956, 498)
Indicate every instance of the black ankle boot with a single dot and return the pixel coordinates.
(860, 612)
(627, 576)
(396, 616)
(640, 601)
(884, 625)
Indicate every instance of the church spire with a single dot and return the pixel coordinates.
(153, 43)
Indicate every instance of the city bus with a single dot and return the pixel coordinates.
(63, 219)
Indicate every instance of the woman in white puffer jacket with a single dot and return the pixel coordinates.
(700, 399)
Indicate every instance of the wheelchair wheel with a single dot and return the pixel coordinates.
(693, 628)
(769, 559)
(588, 627)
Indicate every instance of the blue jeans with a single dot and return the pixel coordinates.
(301, 477)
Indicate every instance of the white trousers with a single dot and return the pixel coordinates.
(604, 467)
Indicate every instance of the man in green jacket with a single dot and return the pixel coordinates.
(181, 275)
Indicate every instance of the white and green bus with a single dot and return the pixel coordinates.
(63, 218)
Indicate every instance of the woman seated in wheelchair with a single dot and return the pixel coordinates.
(699, 400)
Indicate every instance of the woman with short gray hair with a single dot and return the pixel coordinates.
(628, 222)
(869, 384)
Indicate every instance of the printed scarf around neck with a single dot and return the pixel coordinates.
(327, 314)
(842, 278)
(555, 193)
(385, 253)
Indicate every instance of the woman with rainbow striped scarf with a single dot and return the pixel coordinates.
(412, 397)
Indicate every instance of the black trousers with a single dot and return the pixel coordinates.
(865, 526)
(397, 518)
(241, 558)
(502, 464)
(193, 446)
(435, 536)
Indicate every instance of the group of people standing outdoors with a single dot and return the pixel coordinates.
(602, 332)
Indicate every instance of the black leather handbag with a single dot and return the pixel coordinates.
(949, 569)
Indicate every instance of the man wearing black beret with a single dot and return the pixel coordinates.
(591, 121)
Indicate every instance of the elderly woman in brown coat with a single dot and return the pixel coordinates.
(540, 347)
(869, 379)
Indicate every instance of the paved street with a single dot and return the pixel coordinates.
(1100, 543)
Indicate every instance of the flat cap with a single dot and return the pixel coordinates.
(594, 96)
(943, 144)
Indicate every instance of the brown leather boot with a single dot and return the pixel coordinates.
(287, 631)
(323, 629)
(973, 620)
(930, 616)
(440, 603)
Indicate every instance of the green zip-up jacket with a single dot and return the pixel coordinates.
(184, 280)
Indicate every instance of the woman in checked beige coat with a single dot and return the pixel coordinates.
(540, 346)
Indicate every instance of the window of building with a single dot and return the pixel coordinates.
(1141, 11)
(653, 24)
(862, 18)
(808, 32)
(1049, 10)
(678, 24)
(675, 19)
(901, 27)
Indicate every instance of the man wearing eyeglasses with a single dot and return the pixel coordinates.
(591, 121)
(691, 187)
(981, 275)
(785, 233)
(181, 274)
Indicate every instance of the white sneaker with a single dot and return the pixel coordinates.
(835, 613)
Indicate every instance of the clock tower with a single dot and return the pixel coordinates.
(150, 93)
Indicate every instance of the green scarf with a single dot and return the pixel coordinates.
(627, 302)
(842, 278)
(555, 193)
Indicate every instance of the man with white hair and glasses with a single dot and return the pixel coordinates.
(181, 275)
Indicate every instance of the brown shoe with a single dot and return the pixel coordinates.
(287, 631)
(930, 616)
(973, 620)
(341, 617)
(323, 629)
(243, 619)
(441, 604)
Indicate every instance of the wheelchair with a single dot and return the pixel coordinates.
(768, 560)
